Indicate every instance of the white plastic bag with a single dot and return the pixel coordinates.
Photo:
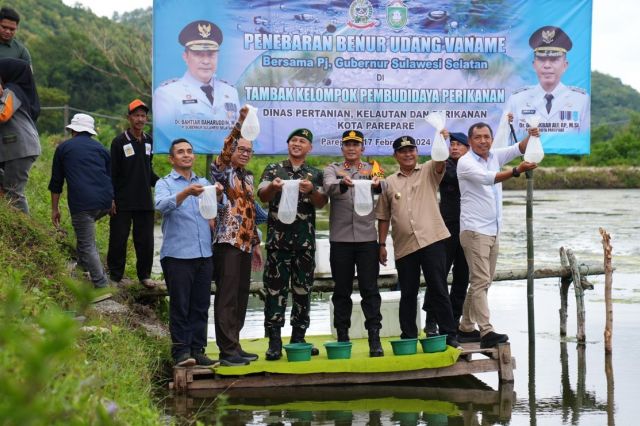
(288, 208)
(534, 152)
(439, 150)
(501, 140)
(208, 202)
(362, 199)
(251, 126)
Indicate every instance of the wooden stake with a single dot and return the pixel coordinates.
(608, 282)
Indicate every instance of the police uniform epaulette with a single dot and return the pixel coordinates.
(225, 82)
(578, 89)
(522, 89)
(173, 80)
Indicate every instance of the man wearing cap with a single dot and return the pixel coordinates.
(562, 109)
(290, 247)
(85, 164)
(133, 177)
(353, 240)
(450, 211)
(409, 204)
(9, 46)
(197, 95)
(185, 255)
(480, 177)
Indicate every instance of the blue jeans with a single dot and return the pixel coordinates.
(84, 225)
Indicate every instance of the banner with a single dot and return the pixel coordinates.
(375, 66)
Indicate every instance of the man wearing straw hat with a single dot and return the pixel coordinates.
(86, 166)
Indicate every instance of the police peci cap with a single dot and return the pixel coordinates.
(550, 41)
(459, 137)
(403, 141)
(305, 133)
(352, 135)
(201, 35)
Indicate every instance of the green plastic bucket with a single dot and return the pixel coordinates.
(338, 350)
(434, 344)
(298, 351)
(404, 346)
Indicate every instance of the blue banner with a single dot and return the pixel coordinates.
(375, 66)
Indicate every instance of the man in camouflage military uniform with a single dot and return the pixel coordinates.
(290, 247)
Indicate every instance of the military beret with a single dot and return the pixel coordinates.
(403, 141)
(201, 35)
(459, 137)
(550, 41)
(305, 133)
(352, 135)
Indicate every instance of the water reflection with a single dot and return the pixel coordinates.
(461, 401)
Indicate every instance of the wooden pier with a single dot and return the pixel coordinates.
(472, 360)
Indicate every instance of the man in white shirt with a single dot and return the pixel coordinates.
(480, 177)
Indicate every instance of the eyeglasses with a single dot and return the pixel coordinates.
(247, 151)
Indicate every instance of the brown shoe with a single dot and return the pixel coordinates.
(147, 283)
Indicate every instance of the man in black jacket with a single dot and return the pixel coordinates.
(133, 177)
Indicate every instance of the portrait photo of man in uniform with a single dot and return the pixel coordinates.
(197, 100)
(562, 109)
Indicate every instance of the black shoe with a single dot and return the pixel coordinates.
(248, 356)
(274, 352)
(185, 360)
(202, 359)
(491, 339)
(468, 336)
(343, 334)
(375, 347)
(233, 361)
(431, 328)
(297, 336)
(452, 341)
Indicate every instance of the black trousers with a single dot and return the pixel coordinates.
(119, 228)
(189, 285)
(233, 276)
(432, 260)
(344, 259)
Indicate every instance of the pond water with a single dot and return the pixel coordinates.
(557, 382)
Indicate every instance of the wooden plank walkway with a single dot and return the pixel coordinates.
(497, 359)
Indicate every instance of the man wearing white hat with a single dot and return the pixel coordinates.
(86, 166)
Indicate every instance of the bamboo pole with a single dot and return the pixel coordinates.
(608, 282)
(579, 292)
(530, 260)
(565, 282)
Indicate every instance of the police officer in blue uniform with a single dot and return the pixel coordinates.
(197, 100)
(562, 109)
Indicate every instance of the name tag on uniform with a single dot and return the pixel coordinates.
(189, 101)
(147, 148)
(528, 111)
(128, 150)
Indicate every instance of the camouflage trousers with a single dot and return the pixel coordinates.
(281, 268)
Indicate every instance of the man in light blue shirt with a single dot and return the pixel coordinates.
(480, 177)
(185, 256)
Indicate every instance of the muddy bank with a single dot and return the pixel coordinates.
(580, 178)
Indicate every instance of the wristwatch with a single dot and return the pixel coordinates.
(515, 172)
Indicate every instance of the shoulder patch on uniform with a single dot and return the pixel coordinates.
(577, 89)
(225, 82)
(173, 80)
(522, 89)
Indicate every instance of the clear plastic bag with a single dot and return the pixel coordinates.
(501, 140)
(208, 202)
(288, 208)
(534, 152)
(251, 126)
(362, 199)
(439, 149)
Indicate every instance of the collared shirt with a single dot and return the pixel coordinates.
(185, 233)
(14, 49)
(411, 203)
(86, 166)
(132, 171)
(301, 234)
(345, 224)
(480, 196)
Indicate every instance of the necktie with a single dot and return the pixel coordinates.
(208, 90)
(548, 97)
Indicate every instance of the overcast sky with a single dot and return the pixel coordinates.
(615, 27)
